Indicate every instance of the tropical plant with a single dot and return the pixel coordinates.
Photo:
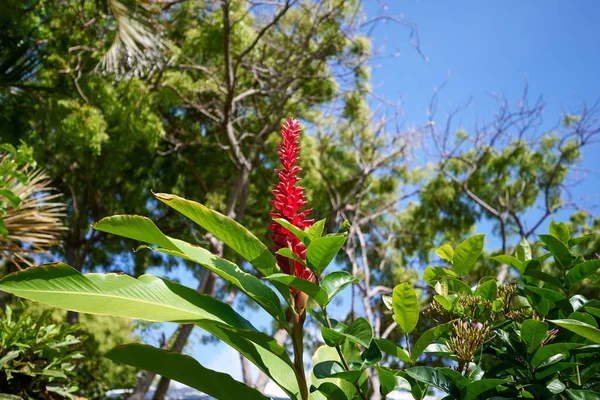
(535, 337)
(156, 299)
(30, 214)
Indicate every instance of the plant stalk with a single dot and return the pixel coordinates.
(298, 346)
(342, 358)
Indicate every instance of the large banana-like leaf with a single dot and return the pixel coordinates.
(144, 230)
(153, 299)
(227, 230)
(183, 369)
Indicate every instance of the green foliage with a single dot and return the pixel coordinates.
(154, 299)
(89, 374)
(38, 359)
(535, 338)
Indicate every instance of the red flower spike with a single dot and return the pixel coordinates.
(289, 200)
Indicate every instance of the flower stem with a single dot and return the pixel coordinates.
(298, 345)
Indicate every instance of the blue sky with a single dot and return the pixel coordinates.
(483, 47)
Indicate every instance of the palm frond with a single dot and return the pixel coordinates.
(138, 48)
(35, 225)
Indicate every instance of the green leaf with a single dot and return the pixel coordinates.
(556, 386)
(551, 350)
(444, 302)
(313, 290)
(335, 282)
(533, 332)
(560, 231)
(288, 253)
(153, 299)
(333, 369)
(391, 348)
(467, 253)
(509, 260)
(474, 389)
(523, 250)
(390, 381)
(227, 230)
(559, 251)
(144, 230)
(561, 301)
(431, 273)
(582, 239)
(582, 394)
(12, 198)
(299, 233)
(360, 331)
(581, 271)
(329, 388)
(427, 338)
(536, 273)
(581, 328)
(487, 290)
(435, 378)
(183, 369)
(406, 307)
(321, 251)
(446, 252)
(316, 231)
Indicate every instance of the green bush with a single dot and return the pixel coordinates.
(536, 337)
(41, 357)
(37, 357)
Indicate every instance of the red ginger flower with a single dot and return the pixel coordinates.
(289, 200)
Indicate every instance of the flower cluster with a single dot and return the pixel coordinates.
(289, 201)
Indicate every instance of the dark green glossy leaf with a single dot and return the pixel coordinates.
(559, 250)
(551, 295)
(581, 271)
(393, 349)
(581, 328)
(550, 350)
(334, 369)
(435, 378)
(582, 394)
(474, 389)
(335, 282)
(533, 332)
(183, 369)
(427, 338)
(390, 381)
